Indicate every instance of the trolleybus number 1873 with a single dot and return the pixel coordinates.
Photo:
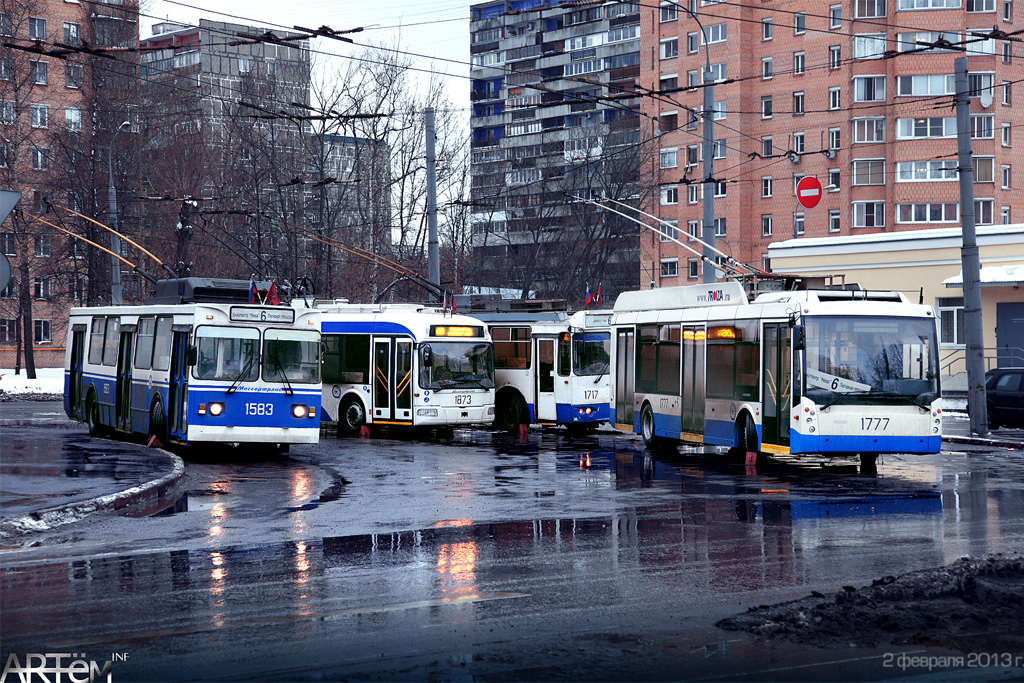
(874, 424)
(463, 399)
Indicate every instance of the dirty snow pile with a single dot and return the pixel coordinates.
(48, 384)
(974, 604)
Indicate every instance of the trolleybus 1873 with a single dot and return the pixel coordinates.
(405, 365)
(831, 372)
(551, 367)
(196, 364)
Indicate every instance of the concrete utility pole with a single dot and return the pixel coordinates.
(115, 241)
(433, 256)
(975, 358)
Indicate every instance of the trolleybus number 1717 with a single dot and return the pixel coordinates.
(874, 424)
(259, 408)
(463, 399)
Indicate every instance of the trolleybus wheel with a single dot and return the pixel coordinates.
(748, 434)
(510, 413)
(647, 427)
(351, 417)
(158, 422)
(868, 464)
(92, 416)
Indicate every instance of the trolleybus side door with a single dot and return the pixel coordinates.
(123, 385)
(403, 379)
(775, 383)
(392, 379)
(545, 408)
(177, 396)
(625, 366)
(75, 406)
(382, 386)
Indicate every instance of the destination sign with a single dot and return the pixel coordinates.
(277, 314)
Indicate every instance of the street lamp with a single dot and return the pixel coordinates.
(115, 241)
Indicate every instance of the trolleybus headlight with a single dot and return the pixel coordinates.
(215, 409)
(427, 412)
(299, 410)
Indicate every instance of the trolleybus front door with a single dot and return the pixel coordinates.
(177, 397)
(123, 390)
(625, 365)
(775, 384)
(382, 379)
(392, 380)
(545, 407)
(403, 380)
(693, 394)
(75, 380)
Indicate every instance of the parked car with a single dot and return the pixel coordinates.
(1005, 391)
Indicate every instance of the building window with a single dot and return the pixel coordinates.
(720, 227)
(984, 169)
(36, 28)
(799, 22)
(797, 177)
(244, 66)
(833, 179)
(669, 267)
(927, 4)
(834, 101)
(835, 16)
(869, 46)
(766, 67)
(980, 83)
(983, 209)
(981, 5)
(766, 146)
(668, 12)
(833, 138)
(926, 127)
(1005, 134)
(869, 130)
(41, 288)
(693, 41)
(669, 158)
(766, 107)
(798, 63)
(1004, 215)
(951, 320)
(835, 59)
(933, 170)
(76, 289)
(37, 73)
(928, 212)
(42, 331)
(833, 220)
(766, 225)
(669, 230)
(7, 112)
(693, 269)
(8, 245)
(936, 84)
(718, 110)
(42, 246)
(40, 159)
(869, 214)
(766, 28)
(1007, 12)
(669, 195)
(73, 120)
(1007, 52)
(8, 329)
(5, 24)
(1005, 177)
(72, 33)
(1006, 93)
(717, 72)
(869, 89)
(718, 149)
(694, 228)
(798, 103)
(867, 9)
(693, 192)
(798, 223)
(72, 76)
(766, 186)
(40, 115)
(670, 48)
(798, 143)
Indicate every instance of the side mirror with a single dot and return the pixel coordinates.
(426, 354)
(192, 355)
(799, 338)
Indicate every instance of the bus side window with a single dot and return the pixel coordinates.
(346, 358)
(96, 341)
(332, 359)
(511, 347)
(162, 344)
(564, 354)
(144, 345)
(110, 341)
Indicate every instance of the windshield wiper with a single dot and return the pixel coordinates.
(242, 375)
(840, 397)
(287, 385)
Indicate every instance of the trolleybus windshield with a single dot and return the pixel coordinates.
(591, 352)
(227, 353)
(456, 365)
(291, 356)
(864, 359)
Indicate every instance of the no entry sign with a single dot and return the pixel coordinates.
(808, 192)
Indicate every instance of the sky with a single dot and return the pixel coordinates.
(433, 28)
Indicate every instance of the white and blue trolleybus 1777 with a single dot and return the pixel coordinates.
(828, 372)
(404, 365)
(196, 364)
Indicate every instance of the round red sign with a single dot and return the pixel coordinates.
(808, 192)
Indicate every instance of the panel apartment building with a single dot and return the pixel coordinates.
(554, 119)
(60, 109)
(857, 93)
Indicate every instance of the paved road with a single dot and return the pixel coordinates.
(492, 557)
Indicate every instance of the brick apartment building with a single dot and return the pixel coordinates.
(838, 90)
(59, 109)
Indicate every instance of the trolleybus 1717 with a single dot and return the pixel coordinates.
(551, 367)
(831, 372)
(196, 364)
(405, 365)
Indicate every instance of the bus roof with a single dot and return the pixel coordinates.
(687, 296)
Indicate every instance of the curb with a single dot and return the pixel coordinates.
(141, 498)
(978, 441)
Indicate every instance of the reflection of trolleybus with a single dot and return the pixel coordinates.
(550, 367)
(404, 364)
(834, 372)
(197, 363)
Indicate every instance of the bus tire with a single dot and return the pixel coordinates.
(869, 463)
(158, 422)
(92, 417)
(747, 434)
(351, 417)
(647, 427)
(510, 413)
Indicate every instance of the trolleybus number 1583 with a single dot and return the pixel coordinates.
(259, 408)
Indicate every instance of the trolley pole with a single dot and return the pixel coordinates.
(433, 256)
(975, 358)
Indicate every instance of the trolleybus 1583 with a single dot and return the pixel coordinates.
(831, 372)
(197, 363)
(405, 365)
